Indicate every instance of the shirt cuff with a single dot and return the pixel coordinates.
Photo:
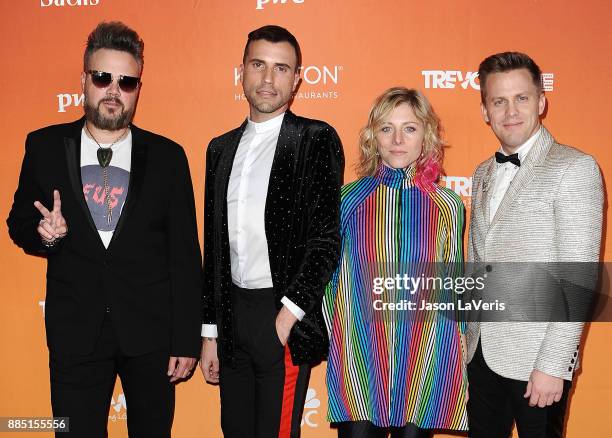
(293, 308)
(209, 331)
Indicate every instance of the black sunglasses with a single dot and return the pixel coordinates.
(102, 79)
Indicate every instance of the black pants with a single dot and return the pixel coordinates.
(366, 429)
(495, 402)
(82, 387)
(263, 395)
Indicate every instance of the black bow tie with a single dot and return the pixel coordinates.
(501, 158)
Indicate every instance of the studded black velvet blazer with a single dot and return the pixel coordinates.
(301, 224)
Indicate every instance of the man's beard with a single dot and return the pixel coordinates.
(121, 119)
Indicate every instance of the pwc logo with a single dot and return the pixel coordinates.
(47, 3)
(318, 82)
(261, 3)
(118, 408)
(310, 406)
(67, 100)
(455, 78)
(461, 185)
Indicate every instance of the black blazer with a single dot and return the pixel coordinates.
(150, 275)
(301, 224)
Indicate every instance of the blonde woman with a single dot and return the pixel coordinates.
(387, 372)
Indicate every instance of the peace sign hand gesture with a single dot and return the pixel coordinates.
(53, 225)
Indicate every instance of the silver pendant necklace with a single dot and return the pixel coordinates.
(104, 158)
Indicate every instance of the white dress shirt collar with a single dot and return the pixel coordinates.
(268, 125)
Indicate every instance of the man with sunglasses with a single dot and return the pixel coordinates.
(271, 244)
(111, 208)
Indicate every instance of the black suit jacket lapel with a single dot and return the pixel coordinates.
(137, 174)
(72, 147)
(224, 167)
(223, 171)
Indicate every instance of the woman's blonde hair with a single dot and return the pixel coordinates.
(429, 163)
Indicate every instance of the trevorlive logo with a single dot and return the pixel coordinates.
(452, 78)
(261, 3)
(45, 3)
(449, 78)
(311, 74)
(461, 185)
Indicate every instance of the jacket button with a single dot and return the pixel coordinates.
(569, 369)
(488, 268)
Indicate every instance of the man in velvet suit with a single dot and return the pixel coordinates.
(272, 200)
(534, 201)
(111, 208)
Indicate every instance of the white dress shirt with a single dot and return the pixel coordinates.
(246, 204)
(505, 173)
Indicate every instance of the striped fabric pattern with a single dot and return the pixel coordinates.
(383, 367)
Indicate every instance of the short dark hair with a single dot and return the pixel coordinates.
(116, 36)
(504, 62)
(274, 34)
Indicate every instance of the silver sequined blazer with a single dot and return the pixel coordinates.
(552, 212)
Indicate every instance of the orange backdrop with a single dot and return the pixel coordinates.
(353, 50)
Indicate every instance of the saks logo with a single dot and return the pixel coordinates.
(450, 79)
(461, 185)
(118, 410)
(261, 3)
(65, 100)
(312, 75)
(312, 402)
(45, 3)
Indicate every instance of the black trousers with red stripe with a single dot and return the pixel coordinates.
(262, 395)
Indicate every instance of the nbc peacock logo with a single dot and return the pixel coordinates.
(310, 409)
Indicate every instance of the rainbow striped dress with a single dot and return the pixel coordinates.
(381, 367)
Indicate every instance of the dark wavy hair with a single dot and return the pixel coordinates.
(274, 34)
(116, 36)
(504, 62)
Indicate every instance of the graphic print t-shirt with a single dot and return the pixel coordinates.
(92, 176)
